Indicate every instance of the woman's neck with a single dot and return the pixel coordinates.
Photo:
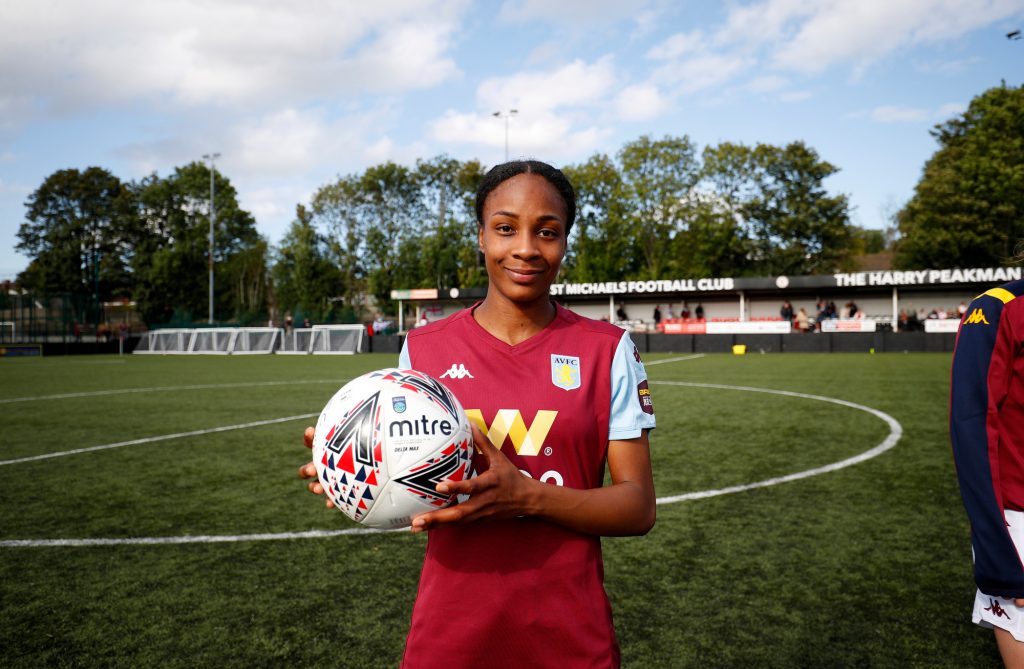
(513, 322)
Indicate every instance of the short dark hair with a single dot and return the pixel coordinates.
(505, 171)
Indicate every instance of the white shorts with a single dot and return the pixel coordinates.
(991, 611)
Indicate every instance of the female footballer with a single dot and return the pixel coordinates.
(513, 576)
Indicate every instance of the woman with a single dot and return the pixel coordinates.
(987, 432)
(513, 576)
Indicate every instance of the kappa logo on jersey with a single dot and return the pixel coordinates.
(977, 316)
(509, 423)
(565, 371)
(457, 371)
(997, 610)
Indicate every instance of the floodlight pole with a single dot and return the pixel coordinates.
(213, 221)
(506, 115)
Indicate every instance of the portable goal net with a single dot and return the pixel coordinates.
(216, 341)
(296, 341)
(337, 339)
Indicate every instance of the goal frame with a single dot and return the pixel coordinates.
(321, 335)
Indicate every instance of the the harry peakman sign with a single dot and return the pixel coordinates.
(928, 277)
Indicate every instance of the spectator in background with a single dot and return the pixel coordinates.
(306, 323)
(913, 322)
(669, 314)
(685, 311)
(822, 313)
(851, 309)
(699, 312)
(786, 311)
(288, 324)
(657, 315)
(620, 313)
(803, 321)
(962, 309)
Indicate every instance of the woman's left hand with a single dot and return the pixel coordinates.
(500, 491)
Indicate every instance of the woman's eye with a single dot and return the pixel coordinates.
(504, 229)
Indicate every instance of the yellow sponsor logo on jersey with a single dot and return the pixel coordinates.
(509, 423)
(977, 316)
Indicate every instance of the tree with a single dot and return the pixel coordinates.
(305, 277)
(657, 176)
(395, 227)
(171, 259)
(968, 207)
(602, 248)
(76, 232)
(790, 225)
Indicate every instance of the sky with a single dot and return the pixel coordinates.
(294, 95)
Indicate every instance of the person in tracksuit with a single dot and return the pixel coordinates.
(987, 433)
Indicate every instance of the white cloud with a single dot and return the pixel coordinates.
(680, 44)
(702, 72)
(950, 109)
(948, 67)
(795, 96)
(857, 32)
(769, 83)
(544, 135)
(67, 56)
(641, 102)
(577, 83)
(898, 114)
(571, 12)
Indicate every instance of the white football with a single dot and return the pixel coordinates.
(384, 442)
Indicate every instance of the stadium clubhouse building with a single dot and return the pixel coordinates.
(914, 310)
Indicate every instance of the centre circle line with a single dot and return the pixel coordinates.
(895, 433)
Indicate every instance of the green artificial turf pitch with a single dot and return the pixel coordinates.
(867, 566)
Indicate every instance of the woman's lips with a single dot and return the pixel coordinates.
(523, 274)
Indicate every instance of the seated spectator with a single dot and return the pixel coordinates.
(803, 322)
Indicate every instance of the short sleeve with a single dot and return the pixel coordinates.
(632, 409)
(404, 361)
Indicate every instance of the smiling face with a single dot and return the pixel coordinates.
(522, 235)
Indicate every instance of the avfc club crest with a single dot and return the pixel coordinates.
(398, 403)
(565, 371)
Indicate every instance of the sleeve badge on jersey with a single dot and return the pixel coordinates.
(565, 371)
(646, 404)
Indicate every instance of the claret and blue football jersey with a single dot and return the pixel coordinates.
(526, 592)
(987, 431)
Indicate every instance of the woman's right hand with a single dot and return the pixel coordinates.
(308, 470)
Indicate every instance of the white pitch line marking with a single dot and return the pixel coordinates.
(685, 357)
(895, 432)
(192, 539)
(125, 391)
(163, 437)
